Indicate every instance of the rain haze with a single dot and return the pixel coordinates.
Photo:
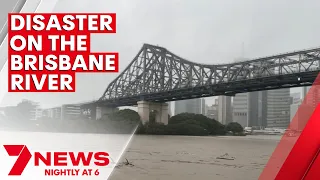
(208, 31)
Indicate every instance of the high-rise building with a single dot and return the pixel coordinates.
(305, 90)
(224, 109)
(54, 113)
(299, 117)
(169, 109)
(240, 109)
(30, 109)
(295, 98)
(69, 111)
(249, 109)
(312, 96)
(278, 108)
(188, 106)
(295, 103)
(212, 111)
(293, 110)
(257, 105)
(203, 106)
(262, 108)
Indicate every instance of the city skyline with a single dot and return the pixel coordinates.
(223, 110)
(208, 101)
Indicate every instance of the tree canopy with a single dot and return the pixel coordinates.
(212, 126)
(234, 127)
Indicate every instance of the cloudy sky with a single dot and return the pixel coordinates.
(206, 31)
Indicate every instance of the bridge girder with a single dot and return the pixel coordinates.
(156, 74)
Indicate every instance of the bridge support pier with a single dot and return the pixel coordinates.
(144, 108)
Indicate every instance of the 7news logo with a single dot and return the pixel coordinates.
(56, 159)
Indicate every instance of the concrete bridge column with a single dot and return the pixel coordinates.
(144, 111)
(164, 113)
(161, 110)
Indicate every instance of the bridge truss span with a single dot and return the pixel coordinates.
(158, 75)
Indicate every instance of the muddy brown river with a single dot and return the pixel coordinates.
(190, 158)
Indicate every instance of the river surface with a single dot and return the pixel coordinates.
(195, 158)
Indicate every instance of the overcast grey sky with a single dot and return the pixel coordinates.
(206, 31)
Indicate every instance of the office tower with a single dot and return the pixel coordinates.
(206, 110)
(278, 108)
(224, 109)
(212, 111)
(293, 110)
(240, 106)
(53, 113)
(69, 112)
(312, 96)
(257, 108)
(29, 109)
(188, 106)
(169, 109)
(240, 109)
(250, 109)
(295, 104)
(305, 90)
(203, 106)
(262, 108)
(295, 98)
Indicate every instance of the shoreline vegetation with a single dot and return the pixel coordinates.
(125, 122)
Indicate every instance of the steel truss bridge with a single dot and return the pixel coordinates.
(158, 75)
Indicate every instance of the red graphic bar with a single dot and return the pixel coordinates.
(313, 171)
(277, 166)
(304, 151)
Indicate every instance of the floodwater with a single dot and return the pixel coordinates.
(190, 158)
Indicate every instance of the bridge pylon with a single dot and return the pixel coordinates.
(161, 109)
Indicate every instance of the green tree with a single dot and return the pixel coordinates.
(122, 121)
(212, 126)
(125, 115)
(155, 128)
(186, 129)
(141, 128)
(234, 127)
